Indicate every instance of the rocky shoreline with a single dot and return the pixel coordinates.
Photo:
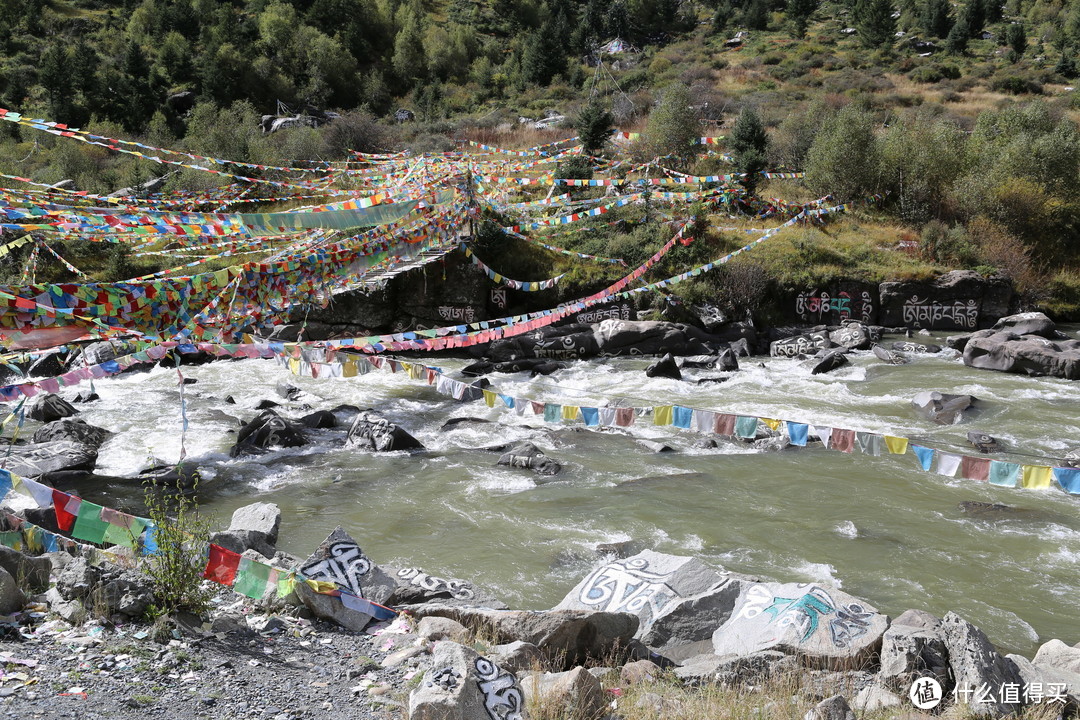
(638, 633)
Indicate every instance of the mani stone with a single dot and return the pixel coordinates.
(462, 685)
(49, 407)
(942, 408)
(822, 626)
(340, 560)
(975, 662)
(373, 432)
(652, 586)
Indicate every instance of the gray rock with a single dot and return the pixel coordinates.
(942, 408)
(413, 585)
(654, 446)
(1056, 654)
(77, 579)
(526, 455)
(888, 356)
(71, 611)
(517, 657)
(574, 694)
(726, 361)
(49, 407)
(1059, 686)
(911, 347)
(51, 459)
(652, 585)
(826, 361)
(440, 628)
(665, 367)
(918, 619)
(853, 336)
(12, 598)
(908, 653)
(638, 672)
(73, 430)
(340, 560)
(957, 300)
(462, 685)
(873, 698)
(253, 527)
(823, 627)
(267, 430)
(1023, 354)
(1029, 323)
(319, 420)
(373, 432)
(331, 608)
(30, 573)
(833, 708)
(800, 345)
(685, 628)
(100, 352)
(567, 637)
(976, 663)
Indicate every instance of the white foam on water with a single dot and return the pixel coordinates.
(846, 529)
(817, 572)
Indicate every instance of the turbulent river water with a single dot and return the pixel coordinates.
(878, 527)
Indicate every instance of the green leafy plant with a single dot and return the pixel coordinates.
(181, 534)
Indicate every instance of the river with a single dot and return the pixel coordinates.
(878, 527)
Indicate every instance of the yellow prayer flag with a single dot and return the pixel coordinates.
(489, 398)
(773, 424)
(321, 586)
(1036, 477)
(663, 414)
(294, 366)
(349, 369)
(896, 445)
(570, 412)
(222, 277)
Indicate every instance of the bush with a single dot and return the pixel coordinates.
(181, 535)
(1015, 85)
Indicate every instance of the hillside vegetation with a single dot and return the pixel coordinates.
(959, 117)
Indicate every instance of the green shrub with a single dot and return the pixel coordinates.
(176, 569)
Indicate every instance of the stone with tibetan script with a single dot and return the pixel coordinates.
(463, 685)
(650, 585)
(416, 586)
(826, 361)
(374, 432)
(822, 626)
(267, 430)
(527, 455)
(72, 429)
(800, 345)
(340, 560)
(48, 459)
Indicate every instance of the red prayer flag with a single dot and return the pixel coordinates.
(64, 520)
(222, 566)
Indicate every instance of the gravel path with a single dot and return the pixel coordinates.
(246, 664)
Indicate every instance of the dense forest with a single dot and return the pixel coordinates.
(961, 115)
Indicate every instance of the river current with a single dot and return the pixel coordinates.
(878, 527)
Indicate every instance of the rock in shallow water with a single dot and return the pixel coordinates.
(374, 432)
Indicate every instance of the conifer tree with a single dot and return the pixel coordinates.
(937, 18)
(750, 146)
(875, 23)
(798, 15)
(957, 40)
(594, 126)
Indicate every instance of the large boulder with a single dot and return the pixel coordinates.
(914, 647)
(12, 598)
(565, 637)
(1057, 654)
(888, 356)
(462, 685)
(31, 573)
(805, 344)
(976, 664)
(853, 336)
(572, 694)
(101, 352)
(527, 455)
(74, 430)
(726, 361)
(340, 560)
(265, 431)
(679, 601)
(374, 432)
(912, 347)
(957, 300)
(1023, 354)
(826, 361)
(942, 408)
(416, 586)
(253, 527)
(609, 337)
(109, 590)
(51, 459)
(822, 626)
(1029, 323)
(665, 367)
(329, 607)
(49, 407)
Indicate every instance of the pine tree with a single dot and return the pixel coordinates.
(1066, 66)
(957, 40)
(750, 146)
(875, 23)
(1016, 37)
(937, 18)
(975, 17)
(544, 57)
(756, 15)
(798, 14)
(594, 126)
(408, 59)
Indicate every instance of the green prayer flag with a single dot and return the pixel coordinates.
(286, 584)
(120, 535)
(746, 427)
(552, 412)
(88, 523)
(1004, 473)
(252, 577)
